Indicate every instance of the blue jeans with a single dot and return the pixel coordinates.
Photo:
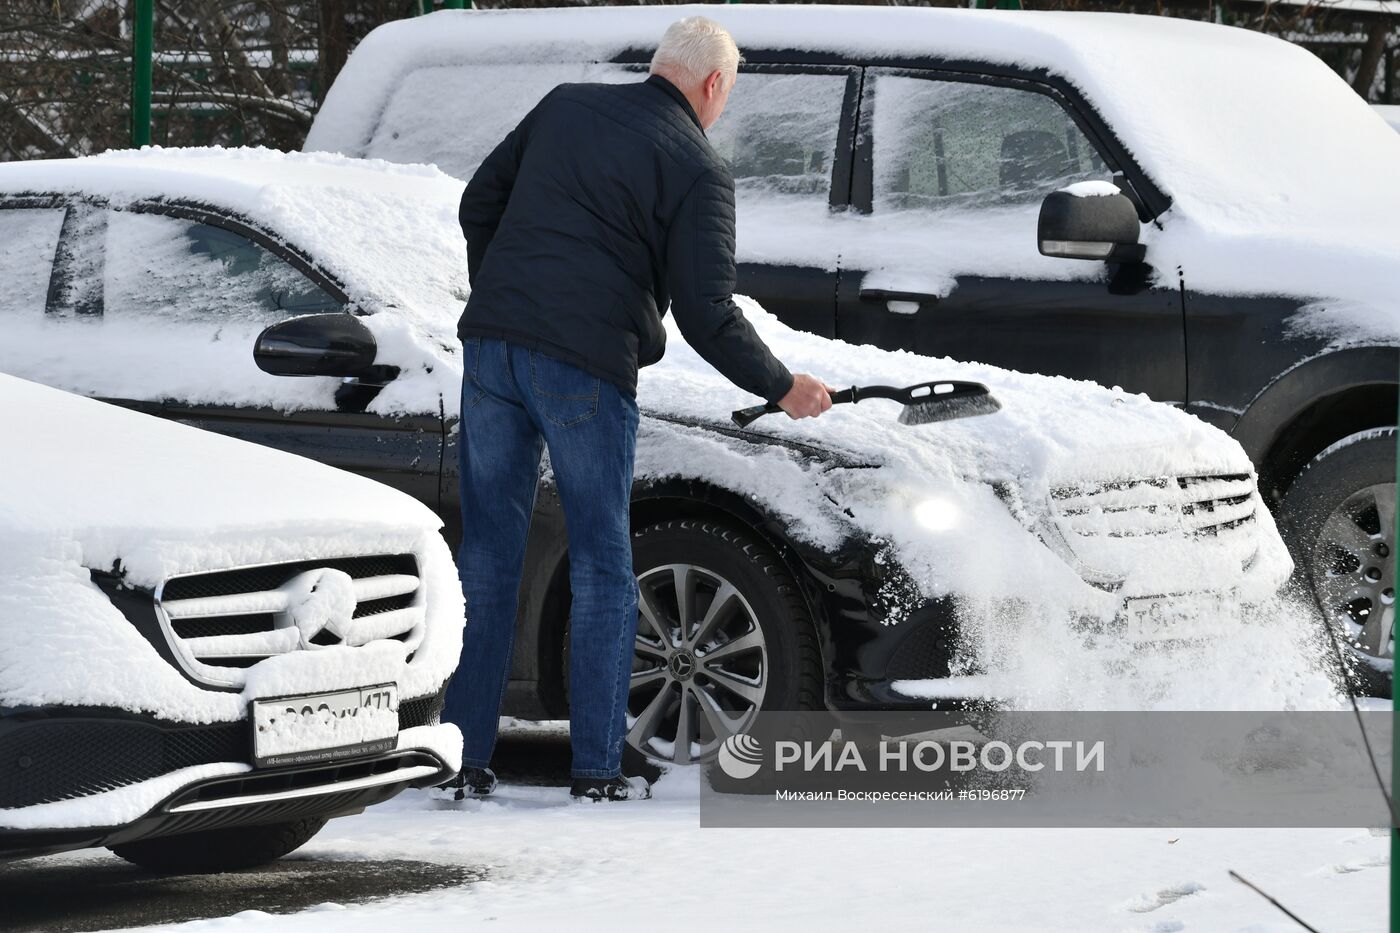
(515, 402)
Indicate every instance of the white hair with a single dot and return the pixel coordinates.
(694, 48)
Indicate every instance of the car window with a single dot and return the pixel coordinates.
(454, 115)
(177, 268)
(778, 134)
(956, 145)
(28, 239)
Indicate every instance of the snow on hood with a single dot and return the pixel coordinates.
(388, 233)
(1051, 431)
(164, 498)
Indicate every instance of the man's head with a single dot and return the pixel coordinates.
(699, 57)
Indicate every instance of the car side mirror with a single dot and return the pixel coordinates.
(1090, 220)
(336, 344)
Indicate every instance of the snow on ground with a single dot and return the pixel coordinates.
(550, 864)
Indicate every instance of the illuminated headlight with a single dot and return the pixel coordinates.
(937, 514)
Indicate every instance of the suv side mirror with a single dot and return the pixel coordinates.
(334, 344)
(1090, 220)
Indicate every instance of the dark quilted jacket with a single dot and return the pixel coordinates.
(604, 205)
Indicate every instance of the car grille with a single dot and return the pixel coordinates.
(232, 619)
(1198, 506)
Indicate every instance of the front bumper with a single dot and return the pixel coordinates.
(73, 778)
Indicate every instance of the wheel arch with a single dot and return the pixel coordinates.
(1314, 405)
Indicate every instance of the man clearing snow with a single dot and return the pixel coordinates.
(604, 205)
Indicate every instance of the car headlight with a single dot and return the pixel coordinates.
(937, 513)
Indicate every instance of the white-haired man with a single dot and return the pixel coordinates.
(604, 206)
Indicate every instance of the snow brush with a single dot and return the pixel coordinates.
(925, 403)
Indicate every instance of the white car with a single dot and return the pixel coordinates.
(309, 302)
(1390, 113)
(207, 648)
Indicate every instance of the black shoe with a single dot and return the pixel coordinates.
(596, 790)
(471, 782)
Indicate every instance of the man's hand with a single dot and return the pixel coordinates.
(807, 398)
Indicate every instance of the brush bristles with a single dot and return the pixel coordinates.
(949, 409)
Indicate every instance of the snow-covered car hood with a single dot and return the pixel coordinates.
(163, 498)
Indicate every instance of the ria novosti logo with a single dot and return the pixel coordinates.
(740, 756)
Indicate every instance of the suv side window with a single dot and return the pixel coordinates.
(945, 146)
(28, 239)
(778, 134)
(175, 268)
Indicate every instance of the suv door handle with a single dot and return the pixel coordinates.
(884, 294)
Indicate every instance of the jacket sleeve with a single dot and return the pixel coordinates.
(487, 194)
(701, 278)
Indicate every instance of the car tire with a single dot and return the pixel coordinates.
(1339, 518)
(778, 664)
(219, 849)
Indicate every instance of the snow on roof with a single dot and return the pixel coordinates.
(1390, 113)
(355, 218)
(1253, 138)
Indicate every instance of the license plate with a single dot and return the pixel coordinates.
(1161, 618)
(325, 726)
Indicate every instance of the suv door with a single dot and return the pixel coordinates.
(157, 307)
(952, 169)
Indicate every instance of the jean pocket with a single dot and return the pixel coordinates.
(472, 392)
(564, 394)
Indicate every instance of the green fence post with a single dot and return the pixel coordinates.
(427, 6)
(453, 4)
(142, 39)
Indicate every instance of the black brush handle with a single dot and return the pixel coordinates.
(747, 416)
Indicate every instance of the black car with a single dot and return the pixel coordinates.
(785, 567)
(892, 166)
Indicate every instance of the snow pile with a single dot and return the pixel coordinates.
(91, 486)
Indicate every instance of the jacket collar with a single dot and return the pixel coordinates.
(675, 94)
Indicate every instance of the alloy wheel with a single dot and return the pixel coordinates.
(1353, 569)
(700, 668)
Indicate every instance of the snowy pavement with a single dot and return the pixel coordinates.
(537, 862)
